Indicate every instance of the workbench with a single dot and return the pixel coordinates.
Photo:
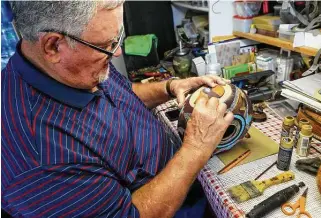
(215, 186)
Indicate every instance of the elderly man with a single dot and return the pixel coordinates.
(78, 139)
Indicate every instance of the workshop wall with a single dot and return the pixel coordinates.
(145, 17)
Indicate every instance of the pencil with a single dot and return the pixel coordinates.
(265, 170)
(234, 162)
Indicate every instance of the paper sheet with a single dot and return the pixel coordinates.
(306, 85)
(260, 145)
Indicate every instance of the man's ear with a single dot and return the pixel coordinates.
(50, 44)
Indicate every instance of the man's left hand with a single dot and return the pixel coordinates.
(183, 86)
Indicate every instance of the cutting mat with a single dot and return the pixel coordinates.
(259, 144)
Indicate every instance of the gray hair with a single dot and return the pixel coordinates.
(32, 17)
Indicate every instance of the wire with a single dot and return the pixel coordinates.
(213, 7)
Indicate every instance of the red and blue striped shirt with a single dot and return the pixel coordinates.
(71, 153)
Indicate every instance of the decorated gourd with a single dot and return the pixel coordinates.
(236, 101)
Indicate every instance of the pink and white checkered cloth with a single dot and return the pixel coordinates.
(215, 186)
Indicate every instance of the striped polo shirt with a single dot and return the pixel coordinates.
(66, 152)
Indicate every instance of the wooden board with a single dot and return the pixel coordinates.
(277, 42)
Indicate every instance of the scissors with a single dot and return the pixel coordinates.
(289, 209)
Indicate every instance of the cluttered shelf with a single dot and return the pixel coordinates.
(189, 6)
(277, 42)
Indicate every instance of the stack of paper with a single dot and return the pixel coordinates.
(305, 90)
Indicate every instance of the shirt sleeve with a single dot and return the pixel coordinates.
(68, 191)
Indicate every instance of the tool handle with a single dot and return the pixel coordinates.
(282, 177)
(302, 211)
(289, 209)
(273, 202)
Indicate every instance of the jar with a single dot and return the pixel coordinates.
(182, 63)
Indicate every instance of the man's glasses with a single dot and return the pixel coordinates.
(109, 51)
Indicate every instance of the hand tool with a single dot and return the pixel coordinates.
(274, 201)
(234, 162)
(265, 170)
(251, 189)
(289, 209)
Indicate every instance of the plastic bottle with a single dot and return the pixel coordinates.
(214, 69)
(252, 29)
(303, 145)
(285, 154)
(287, 127)
(298, 129)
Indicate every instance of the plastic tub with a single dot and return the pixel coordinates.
(286, 35)
(247, 9)
(269, 20)
(190, 31)
(242, 24)
(268, 33)
(266, 27)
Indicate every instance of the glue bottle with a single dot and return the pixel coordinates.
(298, 129)
(287, 127)
(285, 154)
(303, 145)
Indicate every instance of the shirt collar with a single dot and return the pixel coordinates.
(39, 80)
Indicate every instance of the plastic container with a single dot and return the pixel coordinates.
(200, 21)
(214, 69)
(190, 31)
(242, 24)
(277, 9)
(286, 35)
(268, 33)
(268, 20)
(204, 37)
(267, 27)
(247, 9)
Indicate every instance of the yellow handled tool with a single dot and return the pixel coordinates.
(252, 189)
(289, 209)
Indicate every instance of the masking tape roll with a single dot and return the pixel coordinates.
(317, 95)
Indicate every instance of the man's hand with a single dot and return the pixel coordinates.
(183, 86)
(207, 126)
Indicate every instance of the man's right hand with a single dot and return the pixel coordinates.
(206, 126)
(164, 194)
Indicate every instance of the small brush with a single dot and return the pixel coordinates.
(252, 189)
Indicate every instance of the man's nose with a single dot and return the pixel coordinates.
(118, 52)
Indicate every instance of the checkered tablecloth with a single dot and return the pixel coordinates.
(216, 186)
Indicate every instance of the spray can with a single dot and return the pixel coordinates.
(285, 154)
(287, 127)
(303, 145)
(298, 129)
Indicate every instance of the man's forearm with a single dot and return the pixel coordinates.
(152, 94)
(164, 195)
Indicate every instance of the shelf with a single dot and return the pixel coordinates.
(277, 42)
(185, 5)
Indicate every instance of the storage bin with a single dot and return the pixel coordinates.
(269, 20)
(247, 9)
(190, 31)
(268, 33)
(286, 35)
(242, 24)
(267, 27)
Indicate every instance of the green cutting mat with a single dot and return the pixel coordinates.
(260, 145)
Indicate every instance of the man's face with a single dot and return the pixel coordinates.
(83, 67)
